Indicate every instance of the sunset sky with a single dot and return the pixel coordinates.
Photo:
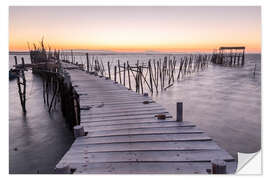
(136, 29)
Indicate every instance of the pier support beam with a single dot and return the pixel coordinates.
(179, 111)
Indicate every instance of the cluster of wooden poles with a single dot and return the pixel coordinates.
(151, 76)
(57, 87)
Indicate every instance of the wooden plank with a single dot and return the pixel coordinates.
(142, 138)
(123, 105)
(112, 103)
(90, 128)
(145, 146)
(146, 168)
(127, 118)
(126, 107)
(164, 130)
(119, 114)
(140, 123)
(124, 121)
(149, 156)
(103, 111)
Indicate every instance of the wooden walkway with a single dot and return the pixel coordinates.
(124, 136)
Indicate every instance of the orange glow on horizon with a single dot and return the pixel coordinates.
(139, 48)
(136, 29)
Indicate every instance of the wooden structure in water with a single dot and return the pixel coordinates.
(120, 131)
(123, 132)
(229, 56)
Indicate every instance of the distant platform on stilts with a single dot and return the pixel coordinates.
(229, 56)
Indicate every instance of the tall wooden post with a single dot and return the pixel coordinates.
(124, 78)
(150, 76)
(243, 57)
(72, 57)
(114, 73)
(119, 72)
(87, 62)
(109, 70)
(129, 83)
(179, 111)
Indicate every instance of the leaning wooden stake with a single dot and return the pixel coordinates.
(19, 83)
(129, 83)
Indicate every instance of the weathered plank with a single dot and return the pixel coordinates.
(145, 146)
(163, 124)
(146, 168)
(142, 138)
(149, 156)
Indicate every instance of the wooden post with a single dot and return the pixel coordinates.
(109, 70)
(179, 111)
(218, 166)
(78, 131)
(87, 61)
(119, 72)
(72, 57)
(129, 83)
(63, 169)
(141, 74)
(114, 73)
(15, 58)
(19, 83)
(124, 78)
(243, 58)
(150, 76)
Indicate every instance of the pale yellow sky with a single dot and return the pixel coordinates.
(136, 28)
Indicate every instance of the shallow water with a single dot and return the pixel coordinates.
(223, 101)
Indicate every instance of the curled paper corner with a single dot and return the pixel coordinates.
(249, 163)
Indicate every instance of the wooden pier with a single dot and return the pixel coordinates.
(120, 133)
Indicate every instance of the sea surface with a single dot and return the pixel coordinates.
(225, 102)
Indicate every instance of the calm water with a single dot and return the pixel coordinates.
(41, 138)
(223, 101)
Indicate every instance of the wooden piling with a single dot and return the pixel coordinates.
(124, 74)
(114, 73)
(109, 69)
(78, 131)
(179, 111)
(87, 62)
(129, 83)
(119, 69)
